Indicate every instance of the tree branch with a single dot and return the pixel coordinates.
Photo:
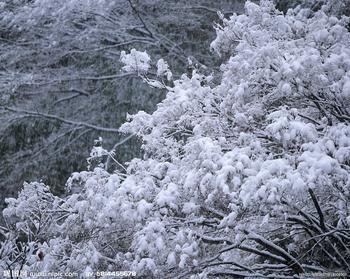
(58, 118)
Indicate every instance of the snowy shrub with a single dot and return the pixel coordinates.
(135, 61)
(245, 174)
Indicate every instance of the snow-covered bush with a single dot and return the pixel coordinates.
(246, 172)
(60, 70)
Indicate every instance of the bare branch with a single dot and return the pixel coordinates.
(58, 118)
(273, 248)
(318, 208)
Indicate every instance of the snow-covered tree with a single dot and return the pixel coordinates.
(245, 173)
(61, 85)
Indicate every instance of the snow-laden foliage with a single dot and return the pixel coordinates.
(245, 174)
(61, 81)
(135, 61)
